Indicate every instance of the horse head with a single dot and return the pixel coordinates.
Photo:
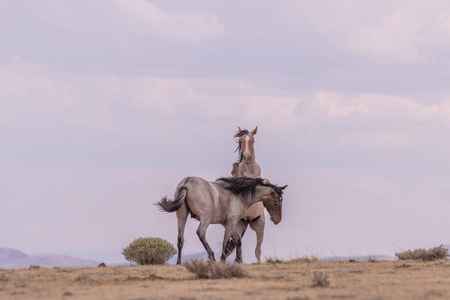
(273, 202)
(246, 140)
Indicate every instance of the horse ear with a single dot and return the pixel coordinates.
(239, 129)
(283, 187)
(255, 130)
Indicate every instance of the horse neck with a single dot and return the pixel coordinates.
(251, 199)
(252, 160)
(260, 191)
(252, 170)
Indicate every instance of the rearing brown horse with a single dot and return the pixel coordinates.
(254, 215)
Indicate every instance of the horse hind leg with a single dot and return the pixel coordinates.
(201, 232)
(258, 226)
(182, 215)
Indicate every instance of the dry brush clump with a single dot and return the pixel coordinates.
(214, 270)
(149, 251)
(320, 280)
(431, 254)
(34, 267)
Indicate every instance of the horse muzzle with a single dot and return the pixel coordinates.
(275, 222)
(247, 158)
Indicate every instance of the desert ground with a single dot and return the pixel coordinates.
(270, 280)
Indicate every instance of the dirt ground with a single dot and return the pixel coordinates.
(288, 280)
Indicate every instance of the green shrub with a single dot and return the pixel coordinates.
(421, 254)
(149, 251)
(215, 270)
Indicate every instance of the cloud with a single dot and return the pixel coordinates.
(377, 107)
(404, 32)
(183, 27)
(129, 103)
(138, 22)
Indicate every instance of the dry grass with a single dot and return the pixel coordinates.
(320, 280)
(215, 270)
(304, 259)
(289, 280)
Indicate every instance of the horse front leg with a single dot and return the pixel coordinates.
(229, 228)
(237, 241)
(258, 226)
(237, 236)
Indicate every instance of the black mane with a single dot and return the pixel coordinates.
(238, 135)
(242, 186)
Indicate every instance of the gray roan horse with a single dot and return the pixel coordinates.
(221, 202)
(254, 216)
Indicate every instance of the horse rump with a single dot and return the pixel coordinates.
(168, 205)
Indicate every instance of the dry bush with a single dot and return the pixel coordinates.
(149, 251)
(214, 270)
(274, 261)
(320, 280)
(34, 267)
(435, 253)
(306, 259)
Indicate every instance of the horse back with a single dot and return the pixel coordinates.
(203, 198)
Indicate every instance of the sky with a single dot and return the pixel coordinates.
(106, 105)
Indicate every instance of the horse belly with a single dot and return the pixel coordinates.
(254, 211)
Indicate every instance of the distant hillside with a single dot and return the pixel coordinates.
(11, 259)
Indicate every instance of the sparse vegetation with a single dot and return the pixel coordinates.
(3, 277)
(431, 254)
(274, 261)
(34, 267)
(320, 280)
(359, 280)
(149, 251)
(304, 259)
(215, 270)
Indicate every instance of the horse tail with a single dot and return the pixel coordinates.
(168, 205)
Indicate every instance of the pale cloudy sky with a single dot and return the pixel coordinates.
(106, 105)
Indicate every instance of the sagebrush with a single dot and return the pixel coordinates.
(435, 253)
(215, 270)
(149, 251)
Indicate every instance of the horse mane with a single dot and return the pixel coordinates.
(242, 186)
(238, 135)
